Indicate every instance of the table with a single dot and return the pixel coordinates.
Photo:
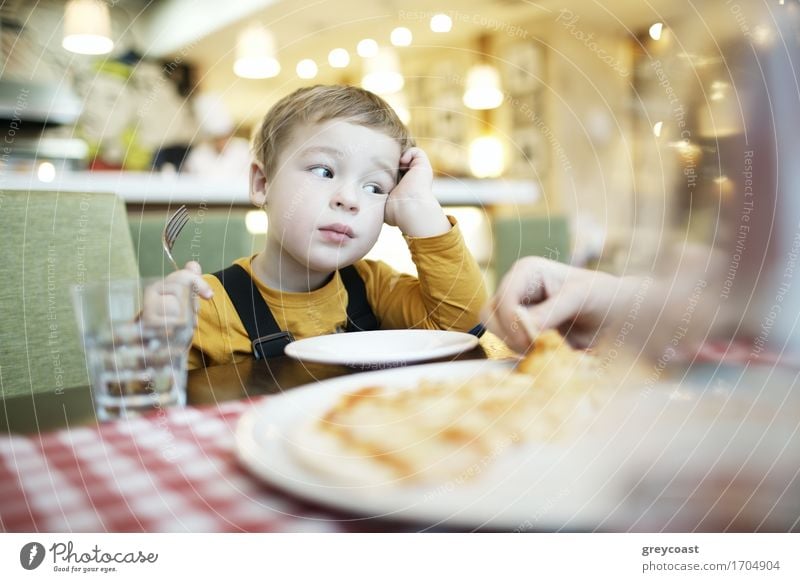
(173, 470)
(177, 471)
(72, 407)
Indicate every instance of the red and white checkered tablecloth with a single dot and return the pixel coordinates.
(175, 471)
(742, 352)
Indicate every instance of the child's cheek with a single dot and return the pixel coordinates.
(380, 212)
(377, 204)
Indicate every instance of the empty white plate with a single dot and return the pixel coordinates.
(395, 346)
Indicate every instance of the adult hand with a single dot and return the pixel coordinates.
(539, 294)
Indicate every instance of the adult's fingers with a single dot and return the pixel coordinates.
(512, 333)
(524, 284)
(528, 321)
(557, 309)
(580, 308)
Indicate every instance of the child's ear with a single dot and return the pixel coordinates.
(258, 185)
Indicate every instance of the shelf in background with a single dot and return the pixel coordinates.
(151, 188)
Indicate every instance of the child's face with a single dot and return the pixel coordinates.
(325, 200)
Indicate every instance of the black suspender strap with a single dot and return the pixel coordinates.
(478, 330)
(359, 313)
(267, 338)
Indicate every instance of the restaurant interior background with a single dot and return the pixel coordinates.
(634, 137)
(595, 132)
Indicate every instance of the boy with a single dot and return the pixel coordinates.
(332, 164)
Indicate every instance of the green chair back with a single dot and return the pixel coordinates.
(214, 238)
(520, 236)
(51, 242)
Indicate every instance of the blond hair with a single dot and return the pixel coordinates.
(319, 104)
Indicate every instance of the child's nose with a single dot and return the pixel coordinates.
(346, 198)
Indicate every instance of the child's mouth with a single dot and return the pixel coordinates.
(336, 233)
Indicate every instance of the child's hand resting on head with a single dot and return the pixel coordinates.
(412, 206)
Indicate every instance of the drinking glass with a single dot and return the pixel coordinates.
(136, 334)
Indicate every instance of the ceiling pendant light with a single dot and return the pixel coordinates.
(87, 28)
(483, 92)
(483, 88)
(255, 54)
(656, 30)
(483, 82)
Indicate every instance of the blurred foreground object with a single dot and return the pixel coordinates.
(719, 229)
(723, 275)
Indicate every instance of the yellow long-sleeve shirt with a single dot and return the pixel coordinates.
(448, 294)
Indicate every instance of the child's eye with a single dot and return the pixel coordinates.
(374, 189)
(322, 171)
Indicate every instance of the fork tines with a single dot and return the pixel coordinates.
(171, 231)
(176, 223)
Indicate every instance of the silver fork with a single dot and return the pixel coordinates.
(172, 229)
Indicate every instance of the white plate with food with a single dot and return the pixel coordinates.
(471, 443)
(556, 441)
(384, 347)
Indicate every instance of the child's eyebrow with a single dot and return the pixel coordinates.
(324, 150)
(384, 167)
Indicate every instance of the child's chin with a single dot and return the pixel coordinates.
(329, 259)
(330, 264)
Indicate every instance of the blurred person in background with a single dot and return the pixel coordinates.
(220, 153)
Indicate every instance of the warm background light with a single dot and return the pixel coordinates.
(256, 221)
(401, 36)
(441, 23)
(657, 128)
(87, 28)
(367, 48)
(339, 58)
(307, 69)
(255, 54)
(655, 30)
(483, 88)
(486, 157)
(46, 172)
(382, 73)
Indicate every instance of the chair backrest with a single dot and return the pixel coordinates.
(213, 237)
(52, 241)
(521, 236)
